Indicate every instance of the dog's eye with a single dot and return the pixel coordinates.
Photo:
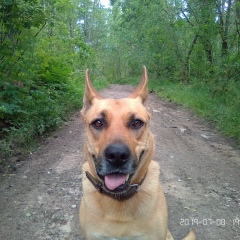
(137, 123)
(98, 124)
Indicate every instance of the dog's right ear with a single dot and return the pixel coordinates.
(90, 94)
(141, 92)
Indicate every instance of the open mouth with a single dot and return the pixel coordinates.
(116, 181)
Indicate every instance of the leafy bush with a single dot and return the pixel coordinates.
(31, 110)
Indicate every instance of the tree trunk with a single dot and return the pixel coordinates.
(237, 23)
(224, 27)
(186, 64)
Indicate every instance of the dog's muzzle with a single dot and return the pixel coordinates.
(115, 170)
(129, 191)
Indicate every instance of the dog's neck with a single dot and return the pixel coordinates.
(129, 192)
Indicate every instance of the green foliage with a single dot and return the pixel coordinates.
(42, 56)
(37, 109)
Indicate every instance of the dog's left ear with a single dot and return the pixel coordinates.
(90, 94)
(141, 91)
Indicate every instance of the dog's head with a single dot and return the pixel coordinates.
(119, 144)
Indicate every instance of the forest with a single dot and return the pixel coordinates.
(191, 49)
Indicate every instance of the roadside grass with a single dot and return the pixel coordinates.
(219, 105)
(222, 108)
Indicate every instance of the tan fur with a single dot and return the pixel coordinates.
(143, 216)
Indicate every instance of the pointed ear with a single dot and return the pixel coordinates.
(90, 94)
(141, 91)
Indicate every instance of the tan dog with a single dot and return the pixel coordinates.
(122, 194)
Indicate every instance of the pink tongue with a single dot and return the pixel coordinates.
(112, 181)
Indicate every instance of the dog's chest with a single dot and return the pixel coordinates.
(137, 237)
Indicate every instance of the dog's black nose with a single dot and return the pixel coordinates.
(117, 154)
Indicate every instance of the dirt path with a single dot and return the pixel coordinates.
(200, 174)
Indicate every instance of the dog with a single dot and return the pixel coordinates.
(122, 195)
